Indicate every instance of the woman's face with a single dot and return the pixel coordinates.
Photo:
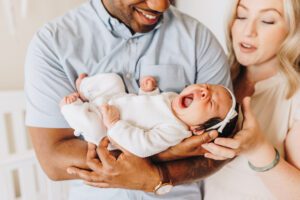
(258, 31)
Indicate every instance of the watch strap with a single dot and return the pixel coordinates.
(164, 174)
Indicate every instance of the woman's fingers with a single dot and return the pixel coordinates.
(214, 157)
(219, 151)
(228, 142)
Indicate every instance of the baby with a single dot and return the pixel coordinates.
(148, 123)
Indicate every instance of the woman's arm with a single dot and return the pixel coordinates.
(284, 179)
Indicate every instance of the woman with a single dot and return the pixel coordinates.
(264, 38)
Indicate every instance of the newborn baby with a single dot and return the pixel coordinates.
(148, 123)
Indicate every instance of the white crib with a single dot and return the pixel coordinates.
(21, 177)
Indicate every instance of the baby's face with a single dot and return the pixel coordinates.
(200, 102)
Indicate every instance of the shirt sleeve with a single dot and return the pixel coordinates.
(45, 82)
(212, 63)
(144, 143)
(295, 110)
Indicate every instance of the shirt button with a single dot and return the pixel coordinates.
(128, 75)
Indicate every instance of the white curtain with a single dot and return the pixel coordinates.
(9, 12)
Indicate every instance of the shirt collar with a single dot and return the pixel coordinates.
(117, 27)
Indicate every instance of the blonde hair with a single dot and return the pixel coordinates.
(289, 53)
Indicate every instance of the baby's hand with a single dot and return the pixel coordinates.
(71, 98)
(110, 114)
(78, 83)
(148, 83)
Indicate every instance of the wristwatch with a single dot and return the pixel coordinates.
(165, 185)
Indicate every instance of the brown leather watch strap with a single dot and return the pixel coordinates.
(164, 173)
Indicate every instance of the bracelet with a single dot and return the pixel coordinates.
(269, 166)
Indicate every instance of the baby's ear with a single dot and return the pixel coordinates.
(196, 131)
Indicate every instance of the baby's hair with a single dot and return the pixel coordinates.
(209, 123)
(228, 130)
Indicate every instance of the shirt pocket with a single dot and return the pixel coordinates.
(169, 77)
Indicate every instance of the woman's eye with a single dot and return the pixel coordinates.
(268, 22)
(241, 17)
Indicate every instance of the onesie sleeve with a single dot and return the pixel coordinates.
(144, 143)
(154, 92)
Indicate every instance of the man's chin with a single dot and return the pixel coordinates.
(143, 28)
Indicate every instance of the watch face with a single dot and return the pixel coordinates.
(164, 189)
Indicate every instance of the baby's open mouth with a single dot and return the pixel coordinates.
(187, 100)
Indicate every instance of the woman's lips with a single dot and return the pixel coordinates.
(247, 48)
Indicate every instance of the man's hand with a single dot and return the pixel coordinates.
(126, 171)
(110, 114)
(187, 148)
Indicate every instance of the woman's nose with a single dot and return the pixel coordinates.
(158, 5)
(250, 29)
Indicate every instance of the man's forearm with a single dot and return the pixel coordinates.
(192, 169)
(58, 149)
(71, 152)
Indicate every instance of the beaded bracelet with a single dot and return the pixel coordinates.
(267, 167)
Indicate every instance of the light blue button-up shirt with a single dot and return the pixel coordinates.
(179, 51)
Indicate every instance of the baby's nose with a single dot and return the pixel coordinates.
(204, 93)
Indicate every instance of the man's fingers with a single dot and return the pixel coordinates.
(106, 158)
(99, 185)
(91, 151)
(198, 140)
(208, 136)
(92, 159)
(83, 174)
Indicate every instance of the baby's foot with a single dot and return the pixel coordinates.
(78, 83)
(71, 98)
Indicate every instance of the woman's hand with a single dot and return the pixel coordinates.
(247, 141)
(126, 171)
(187, 148)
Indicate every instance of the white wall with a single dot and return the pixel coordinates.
(13, 46)
(212, 13)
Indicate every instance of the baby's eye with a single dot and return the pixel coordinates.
(211, 103)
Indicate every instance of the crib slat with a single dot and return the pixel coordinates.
(7, 189)
(19, 131)
(4, 148)
(41, 182)
(26, 172)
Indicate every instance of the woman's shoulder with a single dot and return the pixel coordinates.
(295, 109)
(296, 96)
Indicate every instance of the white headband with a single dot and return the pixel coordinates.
(230, 115)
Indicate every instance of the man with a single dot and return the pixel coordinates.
(133, 38)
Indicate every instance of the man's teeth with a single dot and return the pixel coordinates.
(247, 45)
(149, 16)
